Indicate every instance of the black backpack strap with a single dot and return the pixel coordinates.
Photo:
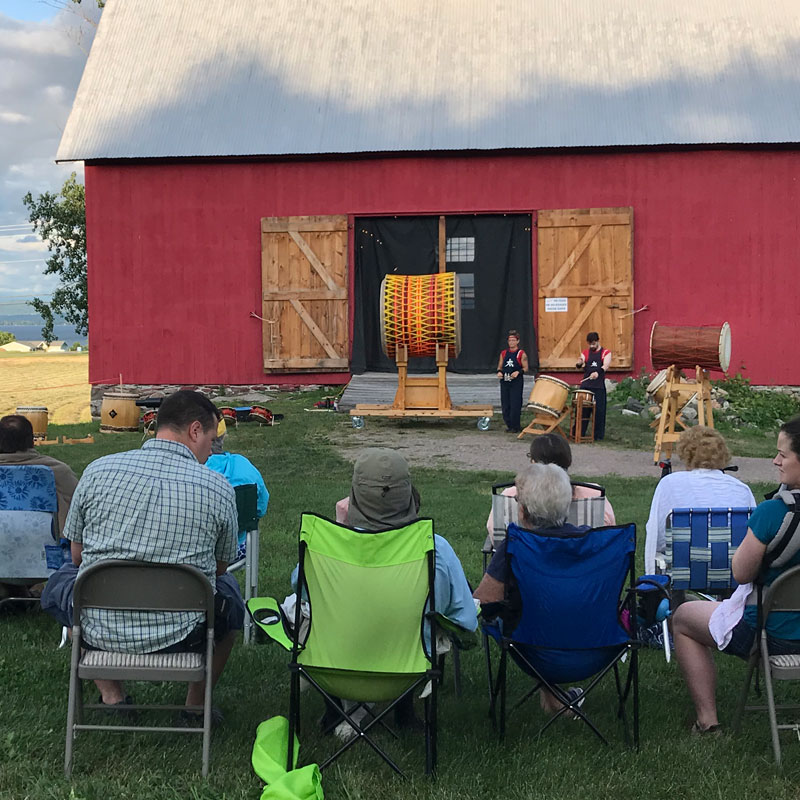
(786, 543)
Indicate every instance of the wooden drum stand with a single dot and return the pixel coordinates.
(675, 399)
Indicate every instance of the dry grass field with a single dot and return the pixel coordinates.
(59, 381)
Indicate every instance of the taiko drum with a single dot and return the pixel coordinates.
(706, 346)
(549, 395)
(119, 412)
(584, 395)
(421, 311)
(657, 391)
(37, 416)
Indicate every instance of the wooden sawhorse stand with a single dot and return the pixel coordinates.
(666, 436)
(422, 396)
(545, 423)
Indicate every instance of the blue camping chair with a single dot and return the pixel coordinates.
(560, 620)
(29, 549)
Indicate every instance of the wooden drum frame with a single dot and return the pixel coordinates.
(549, 395)
(687, 347)
(421, 312)
(37, 416)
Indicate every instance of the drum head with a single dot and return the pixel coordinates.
(558, 381)
(544, 409)
(657, 382)
(382, 318)
(725, 347)
(457, 315)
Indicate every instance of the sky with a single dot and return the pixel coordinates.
(43, 49)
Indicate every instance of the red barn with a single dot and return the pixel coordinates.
(253, 170)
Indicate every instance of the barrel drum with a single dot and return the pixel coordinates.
(37, 416)
(687, 347)
(119, 412)
(549, 395)
(421, 311)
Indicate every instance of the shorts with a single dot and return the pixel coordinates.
(229, 608)
(743, 636)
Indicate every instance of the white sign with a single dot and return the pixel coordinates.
(555, 304)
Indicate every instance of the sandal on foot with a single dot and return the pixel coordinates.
(711, 730)
(195, 718)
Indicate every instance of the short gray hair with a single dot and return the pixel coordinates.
(544, 494)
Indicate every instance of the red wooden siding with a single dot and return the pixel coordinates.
(175, 260)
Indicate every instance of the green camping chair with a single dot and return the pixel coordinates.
(369, 595)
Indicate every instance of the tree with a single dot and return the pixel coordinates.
(6, 337)
(60, 220)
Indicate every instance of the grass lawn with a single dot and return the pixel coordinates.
(304, 472)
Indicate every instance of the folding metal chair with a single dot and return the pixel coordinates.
(560, 621)
(700, 546)
(247, 511)
(368, 594)
(783, 594)
(29, 549)
(138, 586)
(584, 511)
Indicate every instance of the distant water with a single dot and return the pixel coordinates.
(33, 333)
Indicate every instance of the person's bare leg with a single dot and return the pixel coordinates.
(112, 692)
(693, 647)
(222, 650)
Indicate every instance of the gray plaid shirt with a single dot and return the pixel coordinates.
(156, 504)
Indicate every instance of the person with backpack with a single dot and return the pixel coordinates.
(511, 368)
(730, 626)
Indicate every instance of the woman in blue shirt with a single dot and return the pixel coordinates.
(693, 640)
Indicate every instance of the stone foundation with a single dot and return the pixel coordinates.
(247, 394)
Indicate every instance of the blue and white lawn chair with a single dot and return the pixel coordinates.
(29, 549)
(700, 546)
(560, 621)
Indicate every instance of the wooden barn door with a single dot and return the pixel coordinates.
(304, 294)
(585, 267)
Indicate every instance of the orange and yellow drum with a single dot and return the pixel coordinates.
(421, 311)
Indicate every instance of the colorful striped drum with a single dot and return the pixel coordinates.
(421, 311)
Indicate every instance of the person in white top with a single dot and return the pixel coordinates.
(703, 485)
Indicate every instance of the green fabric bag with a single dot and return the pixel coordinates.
(269, 759)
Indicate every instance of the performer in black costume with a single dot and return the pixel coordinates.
(594, 362)
(511, 367)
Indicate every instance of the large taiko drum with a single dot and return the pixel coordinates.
(706, 346)
(119, 412)
(549, 395)
(37, 416)
(421, 311)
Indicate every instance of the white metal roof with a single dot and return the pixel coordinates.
(259, 77)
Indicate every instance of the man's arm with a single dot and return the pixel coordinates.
(524, 361)
(222, 567)
(606, 361)
(76, 551)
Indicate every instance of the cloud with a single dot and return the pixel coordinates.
(40, 67)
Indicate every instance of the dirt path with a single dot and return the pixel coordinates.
(496, 451)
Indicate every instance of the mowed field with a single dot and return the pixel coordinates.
(59, 381)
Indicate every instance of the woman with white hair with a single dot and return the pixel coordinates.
(544, 493)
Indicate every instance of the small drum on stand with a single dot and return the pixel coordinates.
(37, 416)
(421, 311)
(119, 412)
(657, 390)
(549, 395)
(583, 410)
(686, 347)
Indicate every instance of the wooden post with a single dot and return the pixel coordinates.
(442, 245)
(401, 357)
(443, 401)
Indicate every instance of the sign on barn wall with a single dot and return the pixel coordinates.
(304, 294)
(585, 270)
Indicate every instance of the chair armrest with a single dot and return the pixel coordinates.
(268, 615)
(461, 638)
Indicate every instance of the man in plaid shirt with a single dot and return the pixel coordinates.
(157, 504)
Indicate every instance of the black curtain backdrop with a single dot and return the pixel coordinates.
(500, 266)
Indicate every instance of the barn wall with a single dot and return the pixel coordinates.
(174, 249)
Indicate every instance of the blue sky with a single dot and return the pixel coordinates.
(43, 49)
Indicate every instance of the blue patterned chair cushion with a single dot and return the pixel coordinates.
(27, 487)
